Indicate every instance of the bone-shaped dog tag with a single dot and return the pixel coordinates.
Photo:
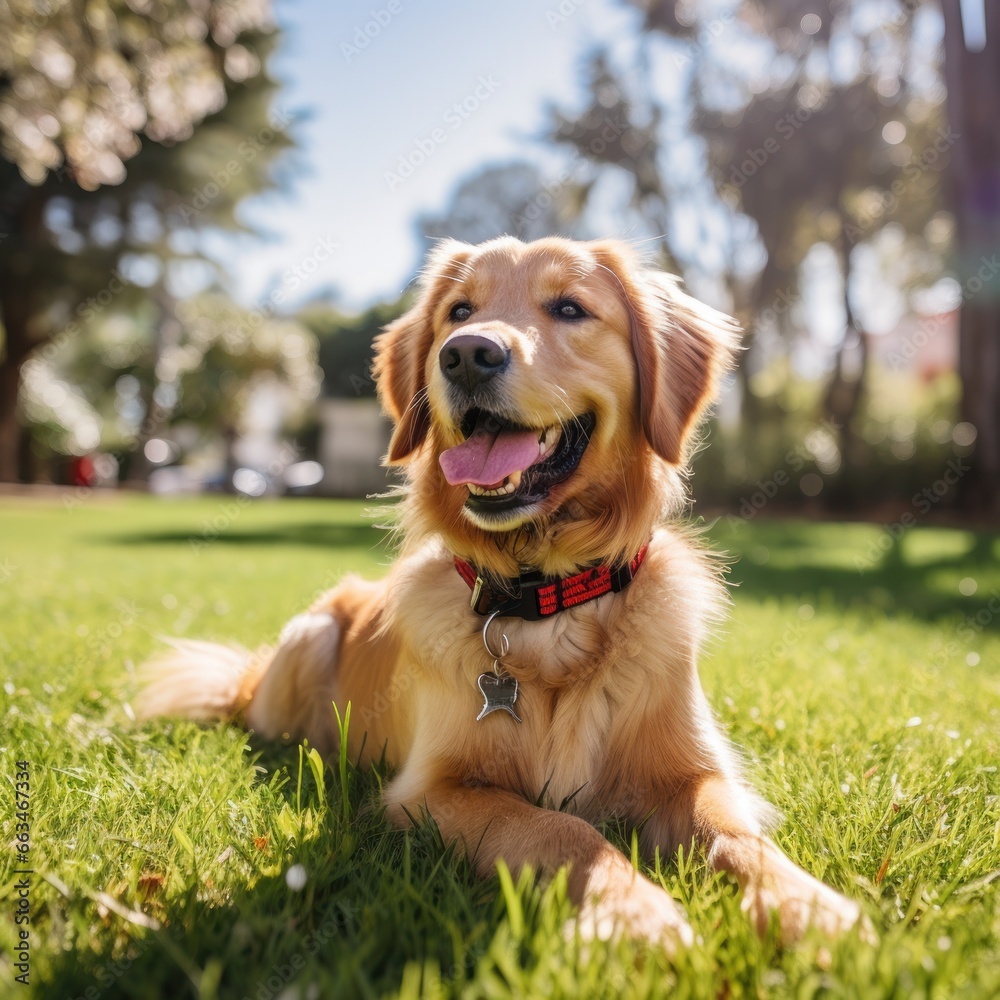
(498, 692)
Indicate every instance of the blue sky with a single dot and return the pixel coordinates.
(366, 106)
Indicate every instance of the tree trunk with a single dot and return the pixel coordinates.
(973, 80)
(10, 430)
(166, 334)
(844, 392)
(17, 346)
(25, 221)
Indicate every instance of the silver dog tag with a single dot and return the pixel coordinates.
(498, 692)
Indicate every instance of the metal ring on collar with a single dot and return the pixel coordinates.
(504, 644)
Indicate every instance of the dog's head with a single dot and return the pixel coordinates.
(548, 389)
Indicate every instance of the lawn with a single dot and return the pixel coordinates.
(168, 860)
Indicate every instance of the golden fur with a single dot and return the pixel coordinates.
(615, 722)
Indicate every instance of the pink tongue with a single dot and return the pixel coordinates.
(488, 457)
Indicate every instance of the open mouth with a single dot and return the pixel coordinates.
(505, 465)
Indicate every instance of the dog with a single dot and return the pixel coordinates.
(528, 666)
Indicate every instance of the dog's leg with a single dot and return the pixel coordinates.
(295, 693)
(285, 689)
(491, 824)
(337, 651)
(720, 812)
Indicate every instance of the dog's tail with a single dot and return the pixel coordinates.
(205, 681)
(285, 690)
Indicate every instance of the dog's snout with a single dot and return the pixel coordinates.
(468, 360)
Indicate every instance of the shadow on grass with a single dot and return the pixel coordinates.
(769, 559)
(788, 561)
(318, 534)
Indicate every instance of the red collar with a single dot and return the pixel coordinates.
(532, 596)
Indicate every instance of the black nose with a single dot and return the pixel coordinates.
(469, 360)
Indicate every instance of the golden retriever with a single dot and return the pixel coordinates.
(544, 397)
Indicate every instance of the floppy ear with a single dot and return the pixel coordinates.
(401, 353)
(682, 349)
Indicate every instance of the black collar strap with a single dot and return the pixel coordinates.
(532, 596)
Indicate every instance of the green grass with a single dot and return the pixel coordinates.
(868, 704)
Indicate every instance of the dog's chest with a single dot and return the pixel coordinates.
(576, 681)
(556, 754)
(570, 744)
(570, 692)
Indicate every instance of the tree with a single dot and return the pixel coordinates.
(345, 345)
(121, 135)
(972, 65)
(217, 357)
(831, 132)
(511, 199)
(833, 151)
(614, 131)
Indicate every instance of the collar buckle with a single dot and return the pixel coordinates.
(478, 604)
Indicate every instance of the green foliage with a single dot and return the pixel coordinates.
(901, 443)
(82, 86)
(346, 348)
(226, 351)
(164, 853)
(511, 199)
(169, 116)
(124, 130)
(814, 141)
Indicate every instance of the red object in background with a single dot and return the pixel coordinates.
(81, 471)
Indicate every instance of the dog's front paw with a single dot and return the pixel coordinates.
(803, 905)
(641, 911)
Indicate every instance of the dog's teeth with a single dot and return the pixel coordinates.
(508, 486)
(548, 441)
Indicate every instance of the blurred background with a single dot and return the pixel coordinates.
(208, 209)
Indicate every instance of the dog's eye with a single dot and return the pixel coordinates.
(568, 309)
(460, 312)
